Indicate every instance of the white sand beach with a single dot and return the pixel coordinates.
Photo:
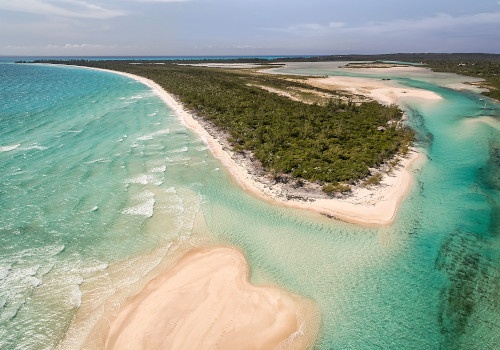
(367, 206)
(379, 90)
(204, 301)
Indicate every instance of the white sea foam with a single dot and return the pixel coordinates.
(76, 296)
(9, 148)
(144, 179)
(74, 282)
(41, 148)
(154, 147)
(142, 95)
(288, 342)
(183, 149)
(202, 199)
(180, 159)
(170, 190)
(4, 271)
(35, 282)
(202, 148)
(152, 135)
(69, 131)
(44, 252)
(154, 162)
(45, 269)
(18, 279)
(145, 195)
(160, 169)
(86, 270)
(12, 310)
(144, 209)
(100, 160)
(32, 270)
(152, 114)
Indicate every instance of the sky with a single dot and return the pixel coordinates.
(246, 27)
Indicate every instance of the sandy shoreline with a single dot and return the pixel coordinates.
(204, 301)
(205, 297)
(366, 206)
(384, 92)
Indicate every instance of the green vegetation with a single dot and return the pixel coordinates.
(489, 70)
(374, 179)
(336, 188)
(334, 143)
(480, 65)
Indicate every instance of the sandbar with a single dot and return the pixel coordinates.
(382, 91)
(204, 301)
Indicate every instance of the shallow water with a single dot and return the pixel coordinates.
(97, 173)
(92, 172)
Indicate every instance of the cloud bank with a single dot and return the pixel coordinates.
(440, 21)
(60, 8)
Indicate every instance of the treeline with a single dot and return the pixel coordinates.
(482, 65)
(332, 144)
(489, 70)
(404, 57)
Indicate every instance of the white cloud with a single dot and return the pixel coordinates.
(438, 22)
(163, 0)
(57, 49)
(61, 8)
(74, 46)
(309, 29)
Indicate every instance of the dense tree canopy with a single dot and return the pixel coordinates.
(334, 142)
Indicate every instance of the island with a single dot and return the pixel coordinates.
(295, 140)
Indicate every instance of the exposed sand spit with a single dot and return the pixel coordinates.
(205, 301)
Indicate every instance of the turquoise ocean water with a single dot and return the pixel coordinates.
(100, 183)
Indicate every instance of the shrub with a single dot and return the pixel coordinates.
(333, 189)
(374, 179)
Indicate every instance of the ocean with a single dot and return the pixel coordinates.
(101, 184)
